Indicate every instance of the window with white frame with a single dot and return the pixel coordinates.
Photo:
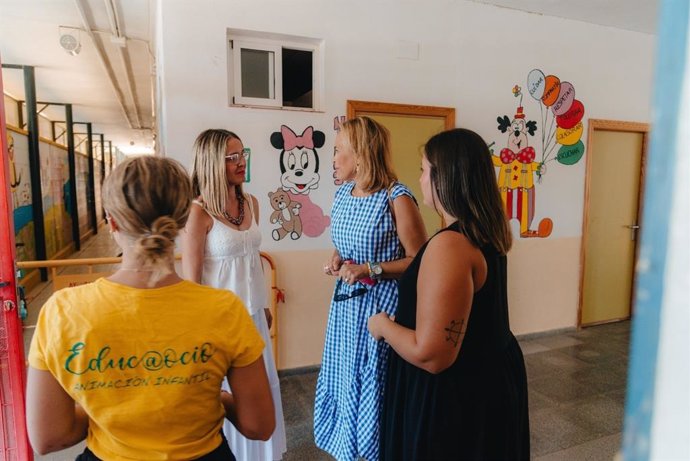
(275, 70)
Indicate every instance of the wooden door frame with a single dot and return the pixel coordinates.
(447, 113)
(621, 126)
(386, 108)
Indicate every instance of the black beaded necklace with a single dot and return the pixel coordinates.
(238, 220)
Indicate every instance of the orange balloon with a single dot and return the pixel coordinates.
(552, 87)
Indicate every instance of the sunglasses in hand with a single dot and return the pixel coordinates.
(340, 296)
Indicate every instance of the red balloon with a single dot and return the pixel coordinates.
(572, 116)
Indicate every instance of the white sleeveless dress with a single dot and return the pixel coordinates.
(232, 262)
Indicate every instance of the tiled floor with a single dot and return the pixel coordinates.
(576, 386)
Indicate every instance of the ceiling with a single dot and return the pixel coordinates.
(633, 15)
(119, 107)
(114, 91)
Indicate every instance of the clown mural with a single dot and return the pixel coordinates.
(516, 174)
(519, 162)
(294, 212)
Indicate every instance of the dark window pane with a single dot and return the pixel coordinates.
(297, 78)
(257, 73)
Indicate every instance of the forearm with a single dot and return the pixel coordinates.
(80, 428)
(404, 342)
(56, 440)
(228, 401)
(394, 269)
(250, 407)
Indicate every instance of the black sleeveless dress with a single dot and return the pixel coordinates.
(477, 408)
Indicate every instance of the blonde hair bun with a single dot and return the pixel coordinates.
(149, 197)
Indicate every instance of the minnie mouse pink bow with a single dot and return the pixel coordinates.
(291, 140)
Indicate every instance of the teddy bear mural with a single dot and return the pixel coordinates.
(299, 175)
(286, 214)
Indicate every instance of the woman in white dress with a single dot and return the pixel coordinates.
(221, 249)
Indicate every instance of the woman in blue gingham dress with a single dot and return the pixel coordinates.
(366, 235)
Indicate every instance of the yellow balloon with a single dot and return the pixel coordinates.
(569, 136)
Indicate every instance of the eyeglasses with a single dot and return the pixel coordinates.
(343, 296)
(235, 158)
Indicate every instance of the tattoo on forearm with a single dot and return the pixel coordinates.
(455, 331)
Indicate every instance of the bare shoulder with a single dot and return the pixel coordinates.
(404, 201)
(451, 249)
(406, 207)
(255, 201)
(254, 207)
(199, 218)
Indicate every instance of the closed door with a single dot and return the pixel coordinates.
(611, 224)
(408, 136)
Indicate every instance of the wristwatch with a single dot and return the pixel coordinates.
(375, 270)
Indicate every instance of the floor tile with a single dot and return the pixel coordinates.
(561, 388)
(532, 347)
(602, 449)
(552, 431)
(556, 342)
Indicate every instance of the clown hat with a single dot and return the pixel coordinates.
(519, 113)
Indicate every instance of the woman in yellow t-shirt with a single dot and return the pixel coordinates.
(134, 362)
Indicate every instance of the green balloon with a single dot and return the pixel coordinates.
(570, 155)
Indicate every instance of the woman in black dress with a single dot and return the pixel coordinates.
(456, 386)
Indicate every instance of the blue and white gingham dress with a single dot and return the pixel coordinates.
(351, 380)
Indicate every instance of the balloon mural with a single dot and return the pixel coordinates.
(560, 133)
(563, 110)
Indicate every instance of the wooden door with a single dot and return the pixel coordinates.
(611, 224)
(410, 127)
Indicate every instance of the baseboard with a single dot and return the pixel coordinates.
(298, 371)
(541, 334)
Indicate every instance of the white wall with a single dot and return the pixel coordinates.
(471, 56)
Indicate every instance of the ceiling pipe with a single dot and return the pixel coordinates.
(104, 61)
(113, 18)
(121, 41)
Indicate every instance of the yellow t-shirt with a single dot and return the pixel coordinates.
(146, 364)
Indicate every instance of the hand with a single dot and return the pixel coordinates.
(333, 266)
(376, 322)
(350, 273)
(269, 317)
(328, 270)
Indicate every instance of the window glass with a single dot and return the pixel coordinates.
(257, 73)
(297, 78)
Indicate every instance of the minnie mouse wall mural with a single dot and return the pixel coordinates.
(299, 175)
(337, 122)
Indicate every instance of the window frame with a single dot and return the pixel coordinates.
(263, 41)
(277, 74)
